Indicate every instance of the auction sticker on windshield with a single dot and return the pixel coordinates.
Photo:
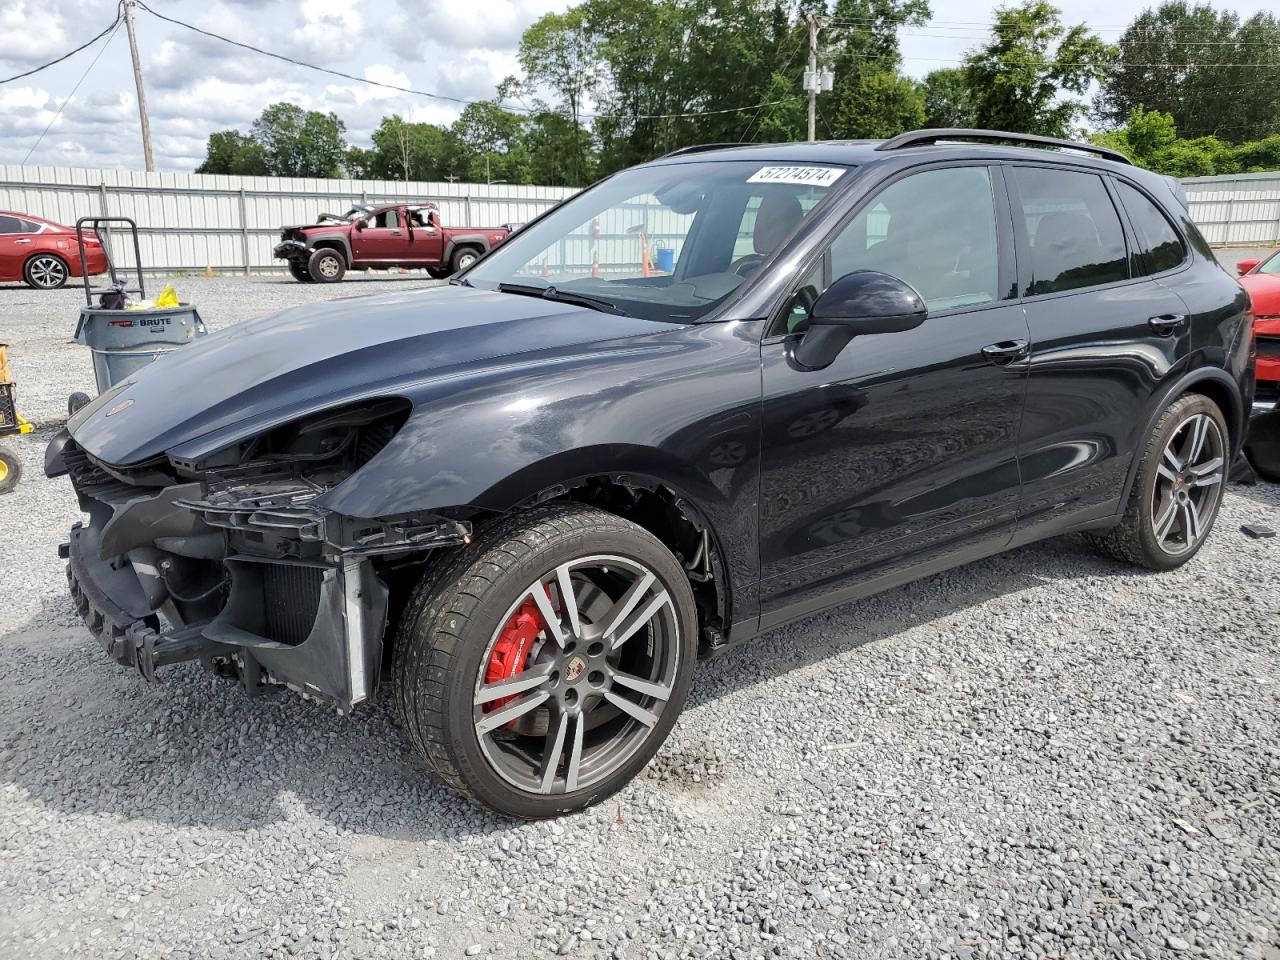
(815, 176)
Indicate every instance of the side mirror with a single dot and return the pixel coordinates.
(1244, 266)
(859, 303)
(361, 224)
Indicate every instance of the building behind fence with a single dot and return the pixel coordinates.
(188, 221)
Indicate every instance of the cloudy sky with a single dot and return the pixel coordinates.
(196, 85)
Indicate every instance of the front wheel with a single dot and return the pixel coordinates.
(326, 266)
(541, 668)
(45, 271)
(1178, 489)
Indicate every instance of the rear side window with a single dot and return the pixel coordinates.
(1073, 229)
(11, 225)
(1159, 246)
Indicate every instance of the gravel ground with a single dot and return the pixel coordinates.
(1045, 754)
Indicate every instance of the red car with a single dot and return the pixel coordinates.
(42, 253)
(1262, 279)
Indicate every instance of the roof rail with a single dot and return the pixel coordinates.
(702, 148)
(919, 138)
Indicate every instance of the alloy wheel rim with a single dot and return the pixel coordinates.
(595, 682)
(465, 261)
(1188, 484)
(328, 266)
(47, 272)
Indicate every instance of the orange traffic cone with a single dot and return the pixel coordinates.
(545, 271)
(595, 264)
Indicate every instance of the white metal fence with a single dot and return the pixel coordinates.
(188, 221)
(1237, 210)
(191, 221)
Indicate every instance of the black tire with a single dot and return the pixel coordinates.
(299, 272)
(10, 470)
(1137, 539)
(463, 257)
(76, 401)
(457, 614)
(45, 271)
(326, 265)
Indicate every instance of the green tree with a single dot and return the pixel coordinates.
(414, 151)
(1018, 77)
(1204, 68)
(1150, 139)
(860, 43)
(300, 143)
(492, 138)
(560, 52)
(882, 104)
(947, 100)
(232, 152)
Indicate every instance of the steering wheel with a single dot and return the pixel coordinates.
(747, 263)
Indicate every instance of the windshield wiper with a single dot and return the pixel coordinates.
(564, 296)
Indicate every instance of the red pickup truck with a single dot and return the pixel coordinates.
(379, 237)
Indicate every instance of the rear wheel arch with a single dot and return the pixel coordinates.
(1210, 382)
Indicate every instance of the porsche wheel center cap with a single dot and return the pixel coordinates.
(575, 669)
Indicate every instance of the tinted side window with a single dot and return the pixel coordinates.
(936, 230)
(10, 225)
(1159, 244)
(1073, 229)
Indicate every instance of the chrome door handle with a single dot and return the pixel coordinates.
(1006, 351)
(22, 241)
(1167, 323)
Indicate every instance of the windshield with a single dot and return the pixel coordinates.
(1271, 264)
(664, 243)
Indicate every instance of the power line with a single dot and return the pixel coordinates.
(427, 93)
(93, 63)
(45, 66)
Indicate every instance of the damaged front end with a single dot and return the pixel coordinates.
(235, 561)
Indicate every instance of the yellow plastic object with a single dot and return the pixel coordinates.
(168, 297)
(25, 425)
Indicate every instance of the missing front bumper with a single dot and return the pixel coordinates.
(311, 626)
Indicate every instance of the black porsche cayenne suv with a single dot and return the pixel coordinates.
(707, 396)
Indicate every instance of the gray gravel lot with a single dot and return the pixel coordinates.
(1045, 754)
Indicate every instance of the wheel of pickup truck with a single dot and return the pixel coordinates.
(299, 272)
(464, 257)
(539, 669)
(326, 266)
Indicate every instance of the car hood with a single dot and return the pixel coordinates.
(261, 373)
(1264, 292)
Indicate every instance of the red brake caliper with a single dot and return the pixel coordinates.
(511, 653)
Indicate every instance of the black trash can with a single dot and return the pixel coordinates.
(125, 341)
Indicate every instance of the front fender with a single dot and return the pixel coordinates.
(681, 409)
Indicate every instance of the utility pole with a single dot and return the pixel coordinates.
(810, 77)
(815, 81)
(137, 79)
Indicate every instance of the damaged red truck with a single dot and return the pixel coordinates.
(386, 236)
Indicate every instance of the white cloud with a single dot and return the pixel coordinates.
(331, 30)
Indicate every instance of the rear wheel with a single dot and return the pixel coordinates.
(326, 266)
(541, 668)
(1178, 489)
(464, 258)
(45, 271)
(299, 272)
